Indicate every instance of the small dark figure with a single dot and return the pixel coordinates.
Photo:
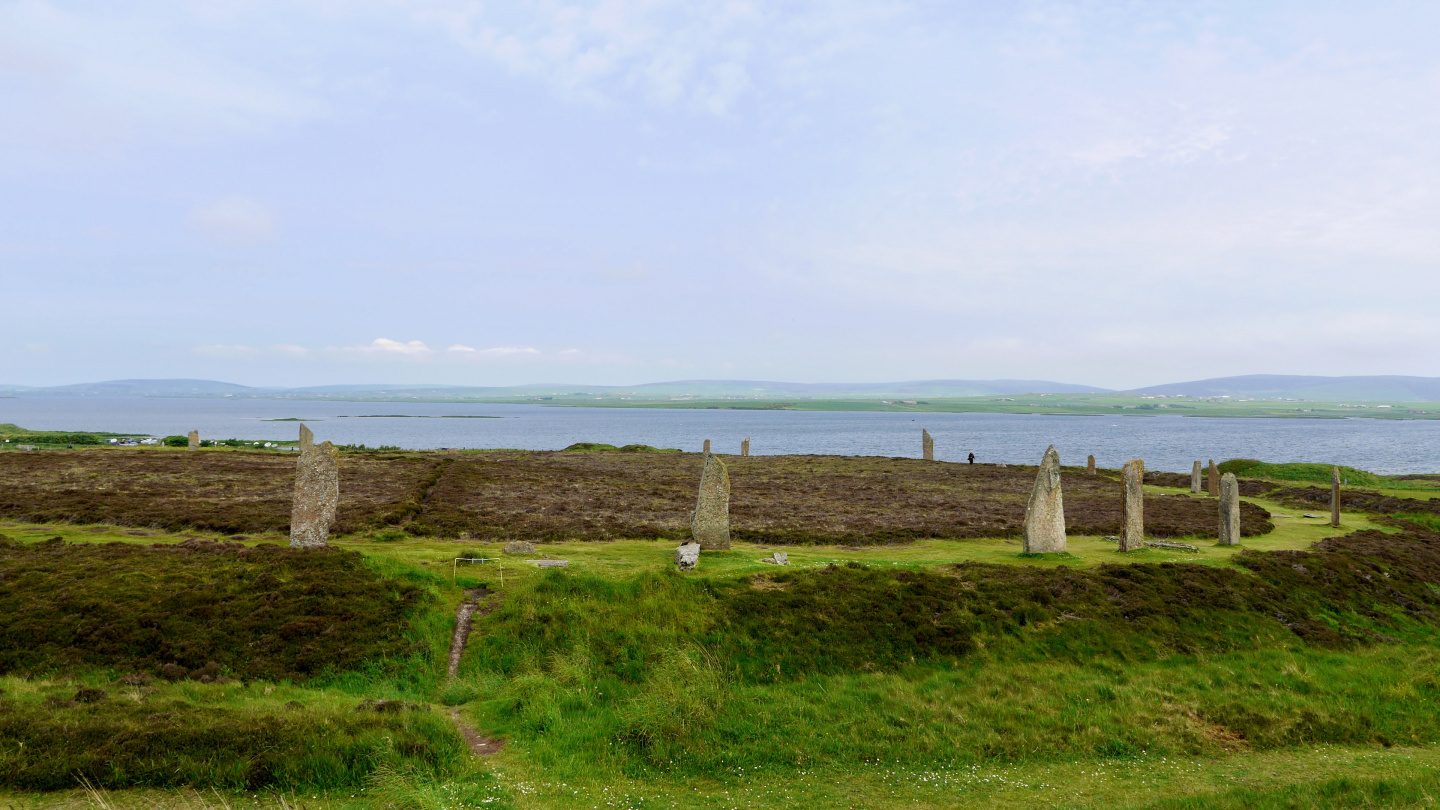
(972, 458)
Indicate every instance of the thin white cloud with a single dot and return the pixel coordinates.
(413, 348)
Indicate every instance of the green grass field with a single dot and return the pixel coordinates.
(935, 673)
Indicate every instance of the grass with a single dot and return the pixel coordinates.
(220, 608)
(940, 671)
(1309, 473)
(225, 736)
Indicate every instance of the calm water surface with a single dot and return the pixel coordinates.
(1165, 442)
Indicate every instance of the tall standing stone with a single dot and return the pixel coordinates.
(1214, 479)
(1229, 510)
(927, 445)
(1045, 514)
(1335, 497)
(745, 446)
(194, 440)
(317, 492)
(707, 447)
(1090, 465)
(1132, 524)
(1195, 477)
(710, 523)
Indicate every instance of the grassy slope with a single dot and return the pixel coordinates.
(1069, 711)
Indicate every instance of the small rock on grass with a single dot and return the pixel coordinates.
(687, 556)
(777, 558)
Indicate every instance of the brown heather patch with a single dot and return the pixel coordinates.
(1361, 500)
(222, 491)
(510, 495)
(777, 499)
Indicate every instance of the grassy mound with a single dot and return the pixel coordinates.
(261, 612)
(227, 737)
(592, 447)
(969, 662)
(1310, 473)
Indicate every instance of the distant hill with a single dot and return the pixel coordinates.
(1327, 389)
(146, 388)
(1258, 386)
(661, 390)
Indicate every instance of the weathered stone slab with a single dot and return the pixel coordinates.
(1090, 465)
(1195, 477)
(1214, 479)
(317, 492)
(1335, 496)
(745, 446)
(927, 445)
(1132, 525)
(550, 563)
(710, 523)
(707, 445)
(777, 558)
(1045, 514)
(1229, 510)
(519, 547)
(194, 437)
(687, 556)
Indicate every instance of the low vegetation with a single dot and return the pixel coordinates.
(1308, 473)
(588, 492)
(941, 671)
(133, 733)
(202, 609)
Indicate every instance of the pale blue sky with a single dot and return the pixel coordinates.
(312, 192)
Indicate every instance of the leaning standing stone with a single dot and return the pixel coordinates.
(687, 556)
(1090, 465)
(317, 492)
(745, 446)
(194, 437)
(927, 445)
(1132, 526)
(1229, 510)
(1045, 514)
(1335, 497)
(1195, 477)
(710, 524)
(1214, 479)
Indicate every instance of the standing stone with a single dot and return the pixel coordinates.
(707, 447)
(1195, 477)
(1045, 514)
(710, 523)
(1132, 525)
(317, 492)
(1229, 510)
(1335, 497)
(1090, 465)
(927, 445)
(687, 556)
(194, 437)
(1214, 479)
(745, 446)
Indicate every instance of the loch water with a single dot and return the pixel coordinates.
(1164, 442)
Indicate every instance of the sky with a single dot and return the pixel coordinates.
(465, 192)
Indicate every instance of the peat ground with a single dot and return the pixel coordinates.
(557, 496)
